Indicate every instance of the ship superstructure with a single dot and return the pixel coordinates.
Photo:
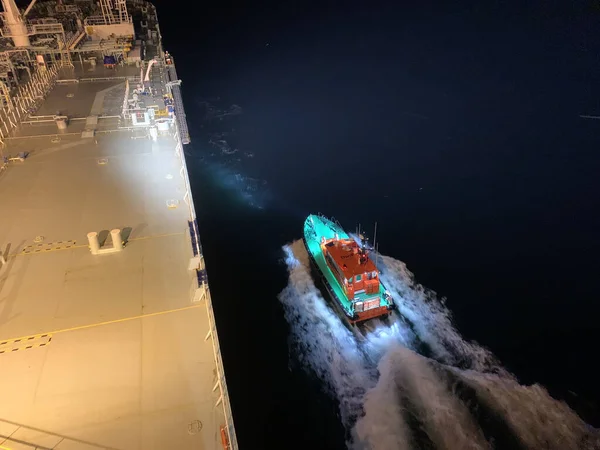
(107, 332)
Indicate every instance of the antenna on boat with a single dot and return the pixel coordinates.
(375, 236)
(375, 245)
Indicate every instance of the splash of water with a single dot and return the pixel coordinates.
(540, 421)
(383, 425)
(408, 386)
(324, 344)
(392, 398)
(444, 418)
(433, 320)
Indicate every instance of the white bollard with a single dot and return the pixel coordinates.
(94, 244)
(61, 124)
(116, 239)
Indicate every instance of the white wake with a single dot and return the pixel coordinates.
(390, 397)
(323, 342)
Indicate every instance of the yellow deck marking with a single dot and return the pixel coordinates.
(50, 247)
(109, 322)
(14, 345)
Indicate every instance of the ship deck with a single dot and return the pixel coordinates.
(100, 351)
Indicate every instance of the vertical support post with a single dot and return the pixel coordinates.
(93, 241)
(116, 239)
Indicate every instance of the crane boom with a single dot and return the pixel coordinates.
(29, 8)
(15, 23)
(147, 77)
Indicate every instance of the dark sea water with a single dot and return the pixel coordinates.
(457, 129)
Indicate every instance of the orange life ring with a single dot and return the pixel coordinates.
(224, 439)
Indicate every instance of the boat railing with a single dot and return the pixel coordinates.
(98, 79)
(330, 219)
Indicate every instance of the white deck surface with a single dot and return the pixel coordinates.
(118, 355)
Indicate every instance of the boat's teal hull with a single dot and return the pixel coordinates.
(317, 227)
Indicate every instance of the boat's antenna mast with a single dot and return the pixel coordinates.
(375, 236)
(375, 246)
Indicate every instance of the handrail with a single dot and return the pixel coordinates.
(222, 385)
(25, 98)
(43, 28)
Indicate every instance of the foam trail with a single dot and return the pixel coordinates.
(383, 412)
(379, 338)
(446, 420)
(331, 350)
(432, 320)
(539, 421)
(383, 378)
(324, 343)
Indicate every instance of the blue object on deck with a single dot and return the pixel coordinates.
(109, 60)
(193, 234)
(202, 278)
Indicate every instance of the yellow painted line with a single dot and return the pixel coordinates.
(109, 322)
(156, 236)
(4, 448)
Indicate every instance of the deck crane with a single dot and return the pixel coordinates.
(15, 23)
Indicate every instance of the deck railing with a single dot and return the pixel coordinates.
(26, 98)
(221, 384)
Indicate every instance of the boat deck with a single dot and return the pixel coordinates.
(110, 350)
(323, 229)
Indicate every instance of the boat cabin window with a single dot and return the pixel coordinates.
(372, 275)
(358, 278)
(329, 244)
(350, 280)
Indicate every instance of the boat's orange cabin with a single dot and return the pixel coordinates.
(351, 266)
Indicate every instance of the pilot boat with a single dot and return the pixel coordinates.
(348, 273)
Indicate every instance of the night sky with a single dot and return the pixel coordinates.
(456, 127)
